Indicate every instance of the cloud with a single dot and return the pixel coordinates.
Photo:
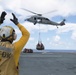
(74, 35)
(12, 5)
(56, 38)
(68, 27)
(67, 7)
(31, 39)
(56, 42)
(46, 28)
(63, 7)
(38, 27)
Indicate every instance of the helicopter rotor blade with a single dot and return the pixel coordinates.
(49, 12)
(29, 11)
(37, 13)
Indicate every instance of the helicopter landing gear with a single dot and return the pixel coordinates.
(35, 23)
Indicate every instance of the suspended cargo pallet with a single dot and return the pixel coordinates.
(40, 46)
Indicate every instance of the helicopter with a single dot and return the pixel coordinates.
(38, 18)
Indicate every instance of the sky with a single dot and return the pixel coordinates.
(61, 38)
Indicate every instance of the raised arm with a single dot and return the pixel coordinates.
(18, 46)
(23, 40)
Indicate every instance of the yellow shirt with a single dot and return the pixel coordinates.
(18, 46)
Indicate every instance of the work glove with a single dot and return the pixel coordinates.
(2, 18)
(14, 20)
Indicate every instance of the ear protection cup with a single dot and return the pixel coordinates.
(14, 36)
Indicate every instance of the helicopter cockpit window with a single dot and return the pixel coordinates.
(46, 19)
(34, 18)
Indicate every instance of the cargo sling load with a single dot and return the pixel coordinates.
(40, 45)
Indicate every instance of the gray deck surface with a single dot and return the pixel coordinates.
(48, 64)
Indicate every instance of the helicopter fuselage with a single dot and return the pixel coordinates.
(41, 20)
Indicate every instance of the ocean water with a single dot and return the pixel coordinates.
(50, 50)
(44, 62)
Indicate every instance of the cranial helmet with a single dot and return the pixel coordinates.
(7, 33)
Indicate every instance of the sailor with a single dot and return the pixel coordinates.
(9, 51)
